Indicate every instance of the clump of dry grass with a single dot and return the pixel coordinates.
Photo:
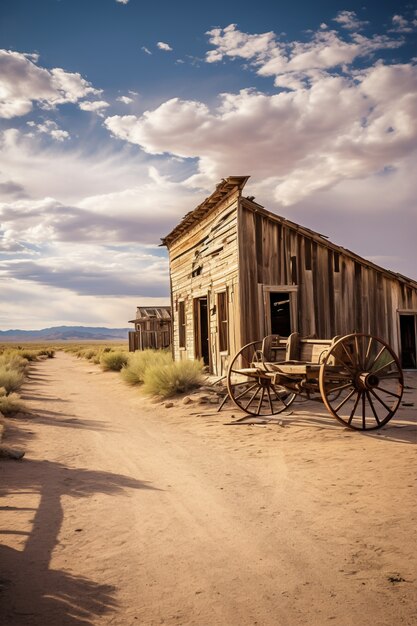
(113, 360)
(176, 377)
(138, 362)
(10, 403)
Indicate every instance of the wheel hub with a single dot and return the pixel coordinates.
(367, 380)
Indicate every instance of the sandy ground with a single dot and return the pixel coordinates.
(125, 512)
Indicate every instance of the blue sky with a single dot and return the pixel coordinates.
(118, 117)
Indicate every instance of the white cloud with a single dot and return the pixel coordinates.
(401, 25)
(57, 306)
(325, 51)
(301, 141)
(125, 99)
(94, 106)
(164, 46)
(122, 1)
(349, 20)
(145, 49)
(231, 42)
(22, 83)
(49, 127)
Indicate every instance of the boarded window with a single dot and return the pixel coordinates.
(223, 321)
(181, 323)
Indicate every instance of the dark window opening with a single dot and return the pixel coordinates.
(336, 261)
(280, 313)
(181, 324)
(408, 341)
(222, 321)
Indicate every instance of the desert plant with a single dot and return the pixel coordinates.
(138, 362)
(11, 379)
(10, 404)
(113, 360)
(174, 378)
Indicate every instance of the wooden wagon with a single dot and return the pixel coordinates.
(358, 377)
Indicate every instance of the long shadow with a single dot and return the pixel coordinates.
(401, 429)
(67, 420)
(31, 593)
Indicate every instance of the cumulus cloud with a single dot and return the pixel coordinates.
(349, 20)
(49, 127)
(125, 99)
(292, 63)
(401, 25)
(164, 46)
(94, 106)
(301, 141)
(23, 82)
(122, 1)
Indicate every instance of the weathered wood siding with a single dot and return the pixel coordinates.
(203, 262)
(337, 292)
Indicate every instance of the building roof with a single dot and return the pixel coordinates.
(223, 189)
(146, 313)
(233, 183)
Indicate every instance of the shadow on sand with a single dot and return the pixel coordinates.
(30, 592)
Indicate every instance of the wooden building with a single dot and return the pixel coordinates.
(152, 328)
(239, 272)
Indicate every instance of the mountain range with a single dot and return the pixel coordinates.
(65, 333)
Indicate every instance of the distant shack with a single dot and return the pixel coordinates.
(152, 328)
(239, 272)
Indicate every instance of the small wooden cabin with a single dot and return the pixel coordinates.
(239, 272)
(152, 328)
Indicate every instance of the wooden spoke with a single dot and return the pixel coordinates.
(371, 404)
(348, 397)
(340, 387)
(261, 399)
(369, 368)
(270, 401)
(349, 356)
(352, 415)
(253, 396)
(390, 393)
(383, 367)
(245, 391)
(368, 352)
(381, 401)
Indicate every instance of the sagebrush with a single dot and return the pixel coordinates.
(176, 377)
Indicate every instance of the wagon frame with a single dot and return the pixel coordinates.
(358, 377)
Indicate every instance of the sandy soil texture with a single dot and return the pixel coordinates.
(125, 512)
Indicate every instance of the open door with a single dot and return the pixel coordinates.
(408, 341)
(201, 329)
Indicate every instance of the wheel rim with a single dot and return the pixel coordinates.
(368, 376)
(252, 393)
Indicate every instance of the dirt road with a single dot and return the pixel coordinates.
(125, 512)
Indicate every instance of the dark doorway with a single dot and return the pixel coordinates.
(201, 329)
(279, 303)
(408, 341)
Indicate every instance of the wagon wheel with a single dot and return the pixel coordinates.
(368, 375)
(250, 389)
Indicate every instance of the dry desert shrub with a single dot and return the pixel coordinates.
(10, 403)
(173, 378)
(138, 362)
(113, 360)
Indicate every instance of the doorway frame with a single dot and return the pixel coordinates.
(198, 339)
(408, 313)
(264, 309)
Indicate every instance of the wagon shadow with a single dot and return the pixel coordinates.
(31, 591)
